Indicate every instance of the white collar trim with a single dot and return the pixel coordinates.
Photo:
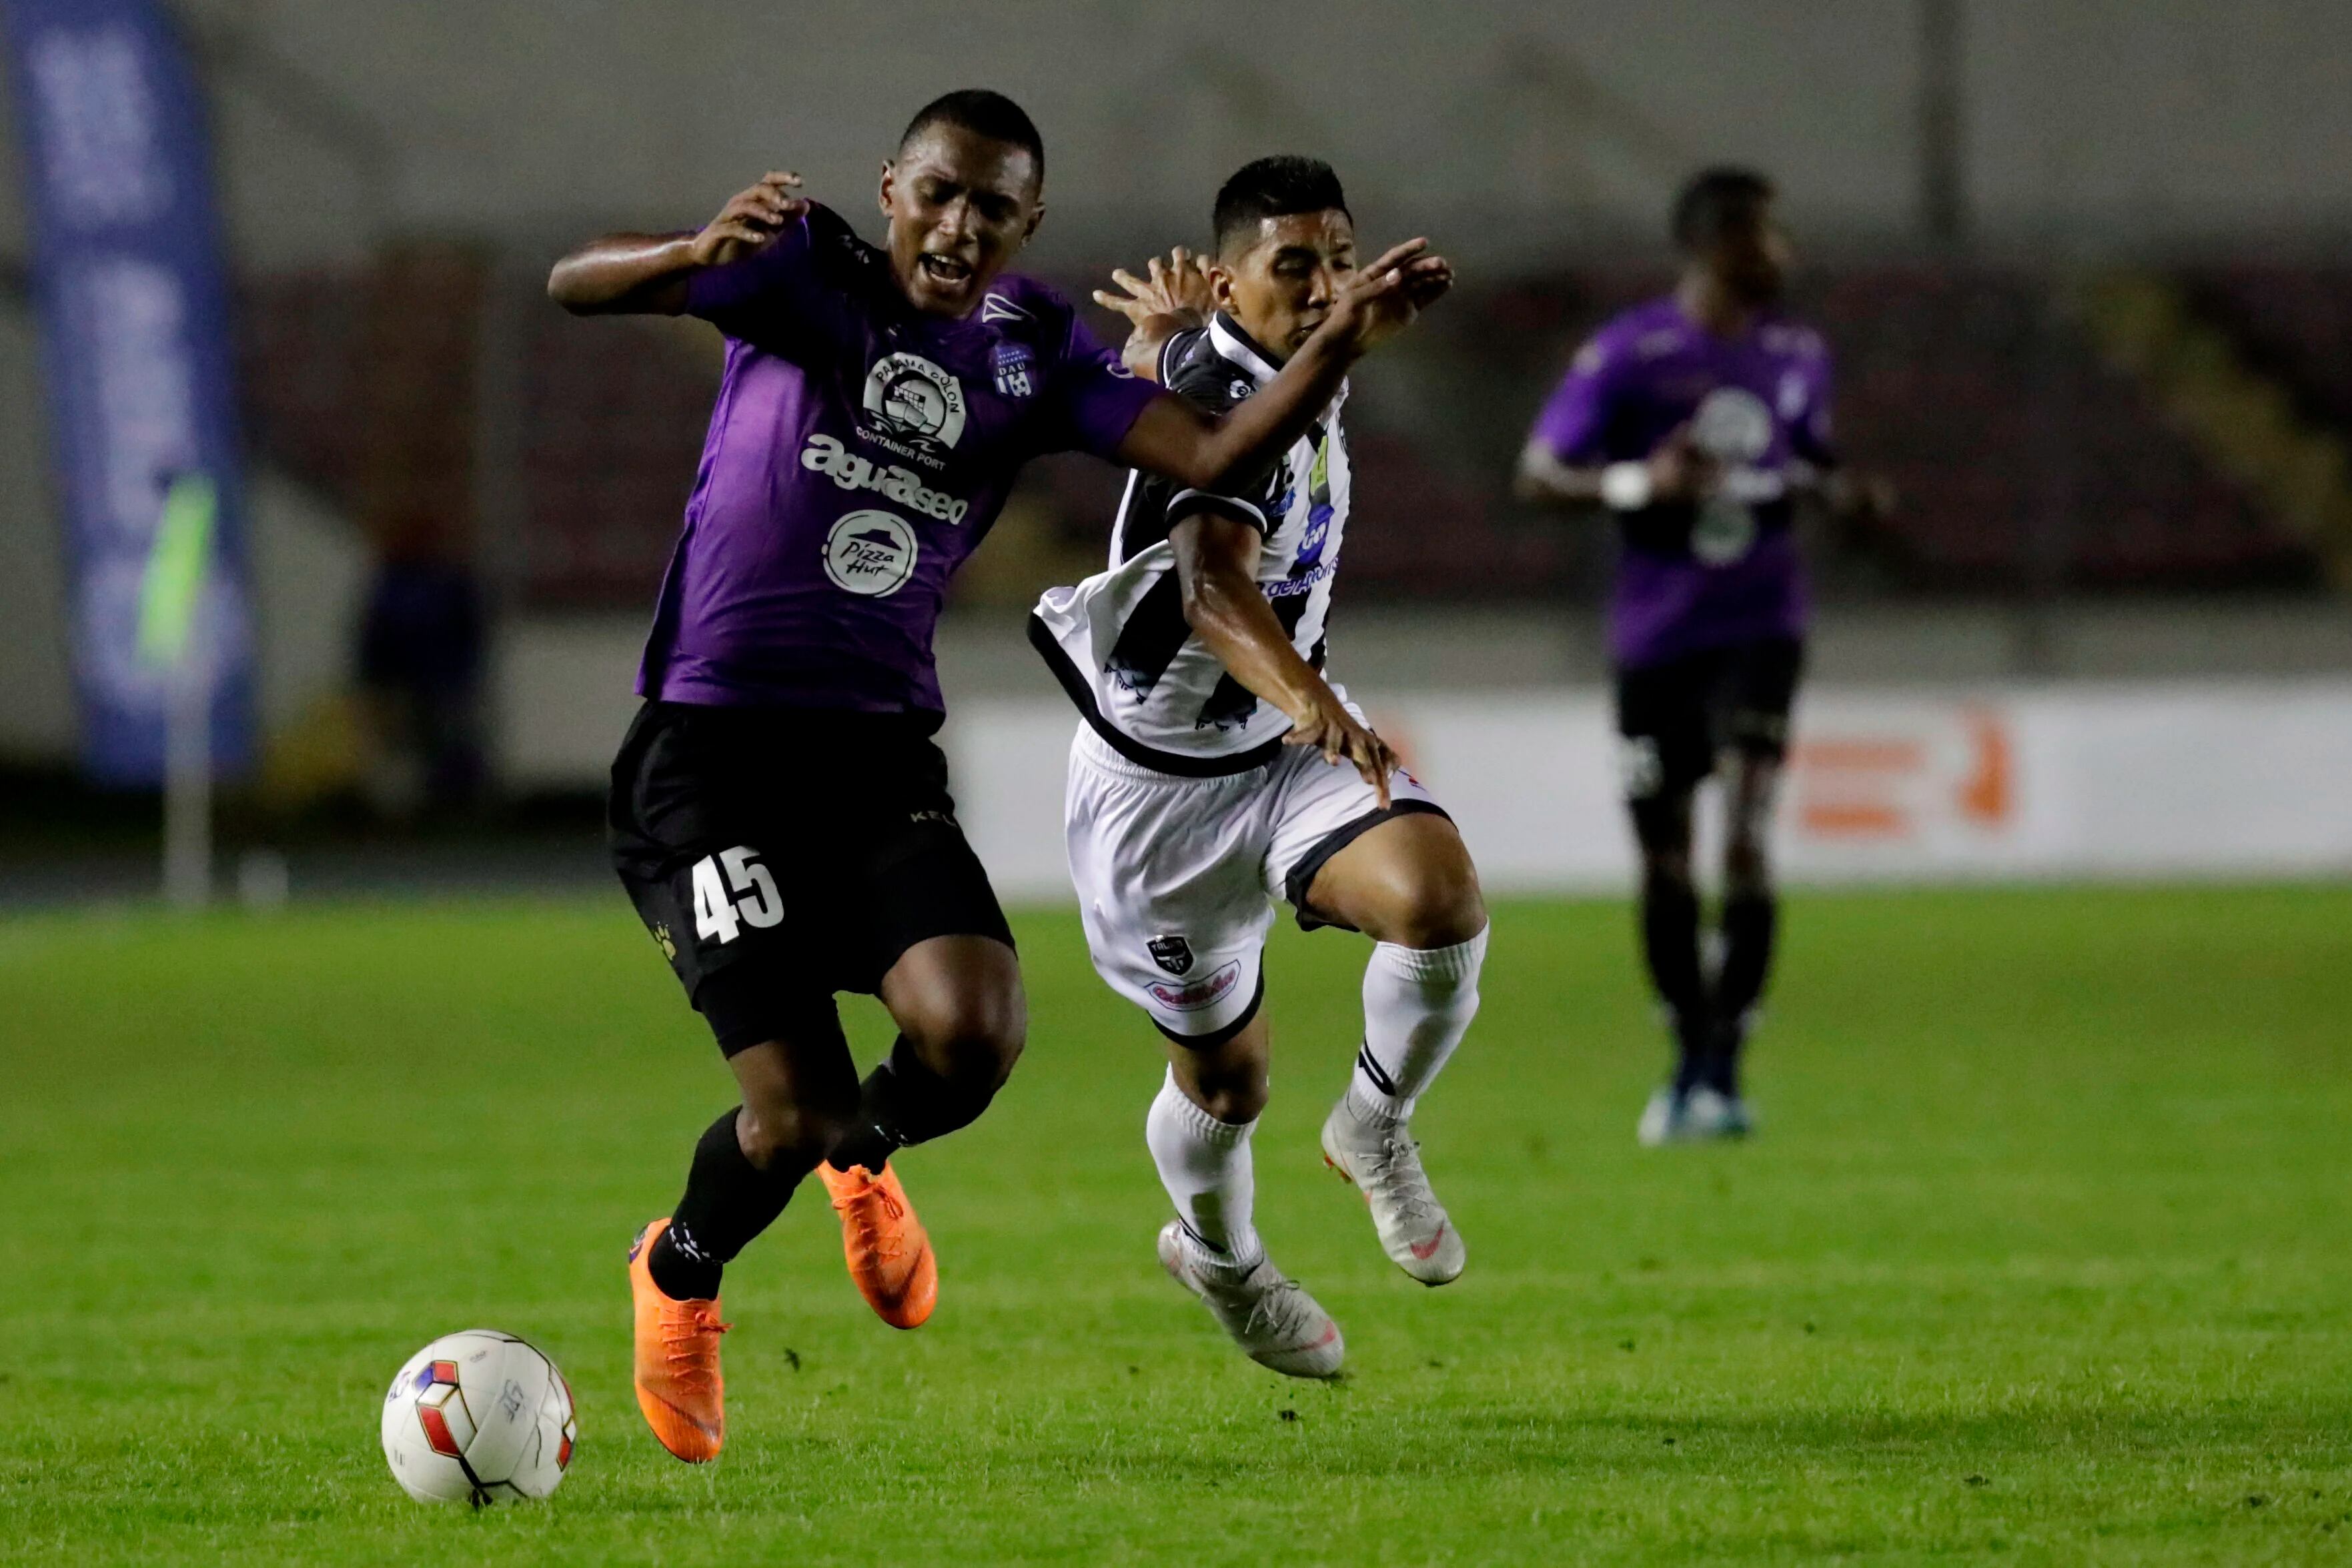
(1232, 345)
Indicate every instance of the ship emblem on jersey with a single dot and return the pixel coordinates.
(1734, 426)
(1171, 953)
(914, 406)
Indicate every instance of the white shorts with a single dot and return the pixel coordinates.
(1176, 877)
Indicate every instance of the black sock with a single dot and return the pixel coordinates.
(1670, 947)
(1749, 923)
(903, 1103)
(729, 1200)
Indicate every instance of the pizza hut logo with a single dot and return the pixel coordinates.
(1172, 954)
(1205, 992)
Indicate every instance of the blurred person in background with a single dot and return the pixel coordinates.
(1698, 421)
(423, 639)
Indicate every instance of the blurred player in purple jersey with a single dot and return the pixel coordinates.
(779, 813)
(1699, 420)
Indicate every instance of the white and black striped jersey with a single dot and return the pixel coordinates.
(1118, 640)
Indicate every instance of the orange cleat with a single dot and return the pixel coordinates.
(889, 1253)
(678, 1387)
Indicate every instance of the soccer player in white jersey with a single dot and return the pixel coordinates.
(1217, 770)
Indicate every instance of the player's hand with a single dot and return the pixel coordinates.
(1679, 470)
(750, 222)
(1384, 298)
(1178, 287)
(1341, 737)
(1174, 297)
(1863, 501)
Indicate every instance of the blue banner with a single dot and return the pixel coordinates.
(137, 359)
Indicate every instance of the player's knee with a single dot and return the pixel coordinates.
(1232, 1094)
(1661, 826)
(1235, 1105)
(1444, 909)
(1747, 869)
(1666, 872)
(1415, 887)
(971, 1040)
(794, 1133)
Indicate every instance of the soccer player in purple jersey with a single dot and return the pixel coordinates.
(780, 814)
(1699, 419)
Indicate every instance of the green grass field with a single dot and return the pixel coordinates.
(2044, 1256)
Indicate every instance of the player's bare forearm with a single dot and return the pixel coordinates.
(1857, 498)
(1545, 479)
(1216, 565)
(1178, 441)
(645, 275)
(625, 275)
(1140, 353)
(1174, 439)
(1675, 470)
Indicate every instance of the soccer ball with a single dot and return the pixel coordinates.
(478, 1416)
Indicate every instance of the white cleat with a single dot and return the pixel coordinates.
(1701, 1114)
(1385, 1165)
(1269, 1315)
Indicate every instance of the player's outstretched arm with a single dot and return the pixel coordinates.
(1173, 438)
(645, 275)
(1675, 471)
(1216, 565)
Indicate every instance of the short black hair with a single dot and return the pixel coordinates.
(1714, 201)
(1275, 187)
(984, 113)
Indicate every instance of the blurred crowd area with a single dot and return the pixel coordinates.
(2048, 430)
(2081, 266)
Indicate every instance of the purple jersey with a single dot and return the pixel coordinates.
(858, 452)
(1725, 571)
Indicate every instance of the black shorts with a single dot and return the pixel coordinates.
(1676, 716)
(796, 851)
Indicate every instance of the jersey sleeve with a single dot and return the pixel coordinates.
(1096, 398)
(1575, 418)
(1197, 373)
(1810, 435)
(774, 298)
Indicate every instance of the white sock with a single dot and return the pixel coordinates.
(1418, 1004)
(1205, 1165)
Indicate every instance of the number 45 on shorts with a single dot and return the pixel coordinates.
(747, 897)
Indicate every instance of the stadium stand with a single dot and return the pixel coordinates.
(612, 430)
(2023, 458)
(2292, 322)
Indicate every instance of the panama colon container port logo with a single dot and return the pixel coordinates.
(914, 401)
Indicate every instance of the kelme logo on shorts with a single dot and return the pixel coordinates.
(872, 553)
(824, 455)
